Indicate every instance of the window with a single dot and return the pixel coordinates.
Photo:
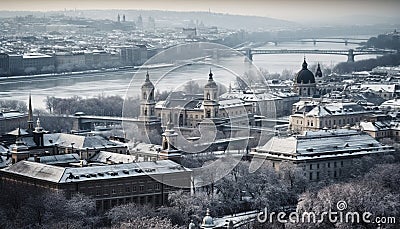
(127, 189)
(317, 175)
(141, 188)
(329, 164)
(157, 187)
(318, 166)
(310, 176)
(310, 166)
(341, 163)
(334, 164)
(334, 174)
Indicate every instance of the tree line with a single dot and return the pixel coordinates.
(382, 41)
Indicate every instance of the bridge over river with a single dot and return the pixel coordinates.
(351, 53)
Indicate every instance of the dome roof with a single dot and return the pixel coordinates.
(208, 221)
(211, 83)
(305, 76)
(192, 225)
(147, 82)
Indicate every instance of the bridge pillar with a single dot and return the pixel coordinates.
(346, 42)
(315, 42)
(249, 55)
(276, 43)
(350, 56)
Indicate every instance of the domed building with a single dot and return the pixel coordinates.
(304, 83)
(208, 221)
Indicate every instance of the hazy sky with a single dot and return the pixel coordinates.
(296, 10)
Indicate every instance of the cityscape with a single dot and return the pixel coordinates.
(187, 114)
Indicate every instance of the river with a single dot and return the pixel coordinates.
(116, 83)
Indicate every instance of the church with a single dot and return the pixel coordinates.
(304, 83)
(188, 111)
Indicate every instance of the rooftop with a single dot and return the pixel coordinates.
(322, 143)
(57, 174)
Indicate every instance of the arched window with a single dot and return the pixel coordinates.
(208, 96)
(144, 95)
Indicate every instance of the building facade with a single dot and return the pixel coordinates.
(321, 154)
(317, 115)
(109, 185)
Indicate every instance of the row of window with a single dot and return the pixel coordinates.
(327, 165)
(330, 174)
(121, 190)
(330, 122)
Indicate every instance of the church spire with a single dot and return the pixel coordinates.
(30, 114)
(210, 76)
(318, 73)
(147, 76)
(304, 65)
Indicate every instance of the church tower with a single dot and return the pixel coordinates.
(147, 102)
(38, 133)
(318, 73)
(148, 124)
(210, 102)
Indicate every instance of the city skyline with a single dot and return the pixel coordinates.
(286, 10)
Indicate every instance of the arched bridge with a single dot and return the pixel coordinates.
(349, 53)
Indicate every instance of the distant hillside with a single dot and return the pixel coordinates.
(173, 18)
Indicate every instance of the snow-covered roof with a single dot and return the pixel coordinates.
(78, 141)
(393, 104)
(57, 159)
(379, 125)
(57, 174)
(321, 144)
(112, 158)
(390, 88)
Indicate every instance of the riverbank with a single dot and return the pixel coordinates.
(11, 79)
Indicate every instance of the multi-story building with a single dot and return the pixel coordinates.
(382, 129)
(4, 64)
(10, 120)
(109, 185)
(265, 103)
(321, 154)
(69, 61)
(37, 63)
(316, 115)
